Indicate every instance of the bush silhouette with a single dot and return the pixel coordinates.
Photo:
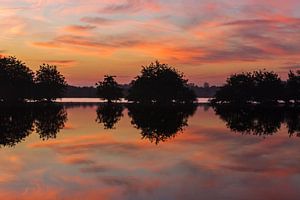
(50, 84)
(159, 83)
(109, 89)
(16, 80)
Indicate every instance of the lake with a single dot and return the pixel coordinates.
(94, 151)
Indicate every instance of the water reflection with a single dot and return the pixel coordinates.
(109, 114)
(207, 160)
(17, 122)
(259, 120)
(159, 123)
(50, 119)
(292, 119)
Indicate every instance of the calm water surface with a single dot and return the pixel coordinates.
(98, 152)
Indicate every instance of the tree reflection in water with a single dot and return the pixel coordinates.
(258, 119)
(18, 122)
(292, 119)
(50, 119)
(109, 114)
(160, 122)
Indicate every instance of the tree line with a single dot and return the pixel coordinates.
(19, 83)
(260, 87)
(157, 83)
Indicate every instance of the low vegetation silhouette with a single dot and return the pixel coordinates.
(109, 114)
(259, 119)
(109, 89)
(18, 122)
(160, 83)
(259, 86)
(158, 122)
(18, 83)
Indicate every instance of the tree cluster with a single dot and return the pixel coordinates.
(19, 83)
(260, 87)
(158, 83)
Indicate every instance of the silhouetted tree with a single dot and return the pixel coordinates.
(251, 119)
(293, 87)
(16, 123)
(109, 114)
(109, 89)
(16, 80)
(160, 122)
(50, 83)
(50, 119)
(161, 84)
(259, 86)
(238, 89)
(268, 87)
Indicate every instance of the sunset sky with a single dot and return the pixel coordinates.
(205, 39)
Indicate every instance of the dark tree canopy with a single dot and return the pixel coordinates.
(259, 86)
(158, 122)
(160, 83)
(109, 89)
(50, 83)
(268, 87)
(109, 115)
(293, 87)
(16, 80)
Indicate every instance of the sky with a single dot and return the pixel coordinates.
(207, 40)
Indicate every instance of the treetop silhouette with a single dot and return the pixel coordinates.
(258, 86)
(50, 83)
(109, 89)
(160, 83)
(16, 80)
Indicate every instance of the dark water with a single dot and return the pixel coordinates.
(94, 151)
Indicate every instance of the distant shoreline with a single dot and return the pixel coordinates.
(97, 100)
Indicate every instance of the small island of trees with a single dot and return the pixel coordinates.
(264, 87)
